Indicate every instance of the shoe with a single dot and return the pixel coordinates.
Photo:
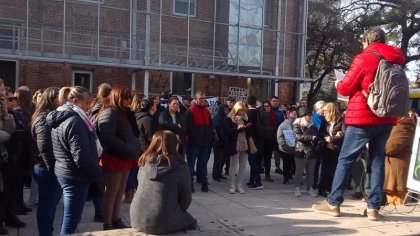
(3, 231)
(108, 227)
(15, 223)
(278, 171)
(240, 189)
(325, 208)
(98, 217)
(250, 185)
(217, 180)
(129, 196)
(258, 187)
(205, 187)
(349, 187)
(119, 224)
(222, 177)
(232, 189)
(357, 196)
(372, 214)
(322, 193)
(312, 193)
(297, 192)
(268, 179)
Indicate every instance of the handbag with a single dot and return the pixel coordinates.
(252, 148)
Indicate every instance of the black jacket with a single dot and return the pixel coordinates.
(336, 140)
(41, 132)
(218, 119)
(74, 146)
(307, 139)
(117, 138)
(231, 133)
(166, 123)
(147, 127)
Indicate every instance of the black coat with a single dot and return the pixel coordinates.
(117, 138)
(41, 132)
(147, 127)
(166, 123)
(336, 141)
(231, 133)
(307, 139)
(74, 146)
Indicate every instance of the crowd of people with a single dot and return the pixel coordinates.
(120, 145)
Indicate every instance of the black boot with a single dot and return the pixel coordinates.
(205, 187)
(15, 223)
(119, 224)
(108, 226)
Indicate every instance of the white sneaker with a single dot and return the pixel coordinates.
(312, 193)
(297, 192)
(232, 189)
(240, 189)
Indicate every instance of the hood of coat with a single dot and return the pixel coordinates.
(141, 115)
(389, 52)
(56, 117)
(155, 170)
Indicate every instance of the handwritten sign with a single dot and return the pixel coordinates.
(239, 94)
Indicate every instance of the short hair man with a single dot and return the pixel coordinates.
(280, 118)
(363, 126)
(200, 135)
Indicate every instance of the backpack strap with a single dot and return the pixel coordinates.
(380, 58)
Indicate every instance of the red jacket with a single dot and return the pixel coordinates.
(360, 75)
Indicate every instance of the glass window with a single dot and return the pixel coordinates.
(83, 78)
(181, 7)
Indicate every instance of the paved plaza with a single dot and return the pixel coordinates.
(271, 211)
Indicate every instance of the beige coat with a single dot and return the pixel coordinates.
(398, 153)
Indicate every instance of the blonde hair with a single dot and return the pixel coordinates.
(331, 112)
(237, 107)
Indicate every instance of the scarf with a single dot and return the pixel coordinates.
(316, 120)
(89, 125)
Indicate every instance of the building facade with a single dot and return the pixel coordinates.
(155, 45)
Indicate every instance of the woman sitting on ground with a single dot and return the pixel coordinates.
(164, 192)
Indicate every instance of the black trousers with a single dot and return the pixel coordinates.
(289, 166)
(218, 162)
(328, 165)
(268, 148)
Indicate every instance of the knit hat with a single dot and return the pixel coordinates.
(303, 111)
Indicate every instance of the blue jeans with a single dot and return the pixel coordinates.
(200, 154)
(74, 196)
(356, 137)
(50, 193)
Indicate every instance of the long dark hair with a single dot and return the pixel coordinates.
(163, 148)
(24, 100)
(115, 100)
(46, 104)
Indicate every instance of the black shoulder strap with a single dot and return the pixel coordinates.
(376, 54)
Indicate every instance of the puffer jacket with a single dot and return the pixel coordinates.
(358, 78)
(306, 136)
(117, 138)
(41, 132)
(199, 126)
(74, 146)
(147, 127)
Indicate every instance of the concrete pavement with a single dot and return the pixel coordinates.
(271, 211)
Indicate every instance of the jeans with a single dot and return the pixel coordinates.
(254, 177)
(199, 153)
(50, 193)
(74, 198)
(355, 139)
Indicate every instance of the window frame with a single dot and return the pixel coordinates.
(73, 78)
(182, 14)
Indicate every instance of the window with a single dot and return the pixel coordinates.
(83, 78)
(181, 83)
(181, 7)
(266, 12)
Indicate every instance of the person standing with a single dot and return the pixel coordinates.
(219, 143)
(121, 152)
(252, 113)
(50, 191)
(275, 106)
(200, 135)
(171, 119)
(76, 151)
(236, 126)
(286, 143)
(363, 126)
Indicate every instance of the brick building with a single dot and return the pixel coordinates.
(155, 45)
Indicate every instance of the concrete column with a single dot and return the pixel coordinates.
(146, 83)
